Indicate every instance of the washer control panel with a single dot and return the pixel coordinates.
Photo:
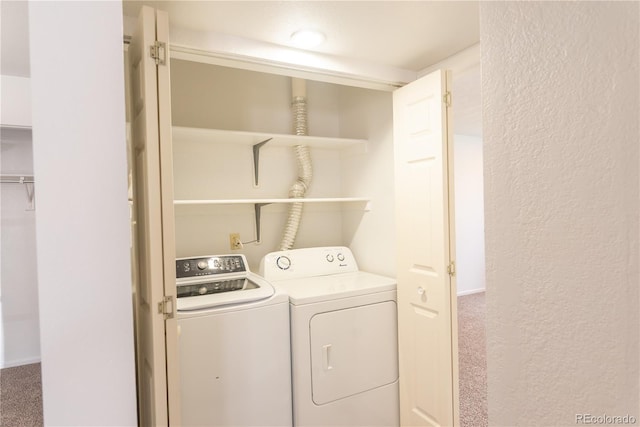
(210, 265)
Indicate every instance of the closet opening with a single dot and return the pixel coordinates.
(470, 257)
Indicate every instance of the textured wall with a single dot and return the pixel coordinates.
(561, 107)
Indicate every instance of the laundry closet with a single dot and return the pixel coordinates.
(214, 161)
(234, 162)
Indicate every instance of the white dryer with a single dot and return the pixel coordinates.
(343, 338)
(234, 347)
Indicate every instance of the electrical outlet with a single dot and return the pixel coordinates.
(234, 241)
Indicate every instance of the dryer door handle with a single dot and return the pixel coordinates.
(326, 357)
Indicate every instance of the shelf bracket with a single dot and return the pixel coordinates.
(258, 210)
(256, 161)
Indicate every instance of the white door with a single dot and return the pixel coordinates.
(426, 291)
(153, 203)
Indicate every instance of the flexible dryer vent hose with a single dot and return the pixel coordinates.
(303, 159)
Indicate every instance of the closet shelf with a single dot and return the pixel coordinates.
(218, 136)
(258, 204)
(268, 201)
(15, 134)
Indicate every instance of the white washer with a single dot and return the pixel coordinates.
(343, 338)
(234, 348)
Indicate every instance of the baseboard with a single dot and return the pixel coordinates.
(472, 291)
(14, 363)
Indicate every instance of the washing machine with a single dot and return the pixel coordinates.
(234, 347)
(344, 338)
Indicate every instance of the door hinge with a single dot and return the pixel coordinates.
(451, 269)
(159, 52)
(165, 307)
(446, 99)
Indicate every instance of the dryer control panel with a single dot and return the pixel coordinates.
(210, 265)
(307, 262)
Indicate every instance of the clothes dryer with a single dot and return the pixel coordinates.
(343, 337)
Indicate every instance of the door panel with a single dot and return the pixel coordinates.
(168, 219)
(428, 394)
(147, 199)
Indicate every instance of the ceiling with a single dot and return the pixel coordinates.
(407, 35)
(411, 35)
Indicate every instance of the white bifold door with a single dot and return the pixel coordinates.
(156, 328)
(425, 269)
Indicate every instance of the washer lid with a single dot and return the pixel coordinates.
(325, 288)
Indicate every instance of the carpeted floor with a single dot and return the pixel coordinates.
(21, 386)
(472, 360)
(21, 396)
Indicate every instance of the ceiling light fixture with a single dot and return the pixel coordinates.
(307, 38)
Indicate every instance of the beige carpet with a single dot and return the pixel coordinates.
(21, 387)
(21, 396)
(472, 360)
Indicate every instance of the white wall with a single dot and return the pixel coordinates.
(560, 88)
(19, 330)
(82, 217)
(216, 97)
(16, 101)
(371, 235)
(225, 98)
(469, 213)
(19, 326)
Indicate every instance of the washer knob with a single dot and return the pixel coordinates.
(202, 265)
(283, 262)
(202, 290)
(340, 257)
(329, 257)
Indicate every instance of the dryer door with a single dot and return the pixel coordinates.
(353, 350)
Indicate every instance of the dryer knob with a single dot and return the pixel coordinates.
(202, 265)
(283, 262)
(202, 290)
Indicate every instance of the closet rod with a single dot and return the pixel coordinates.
(16, 179)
